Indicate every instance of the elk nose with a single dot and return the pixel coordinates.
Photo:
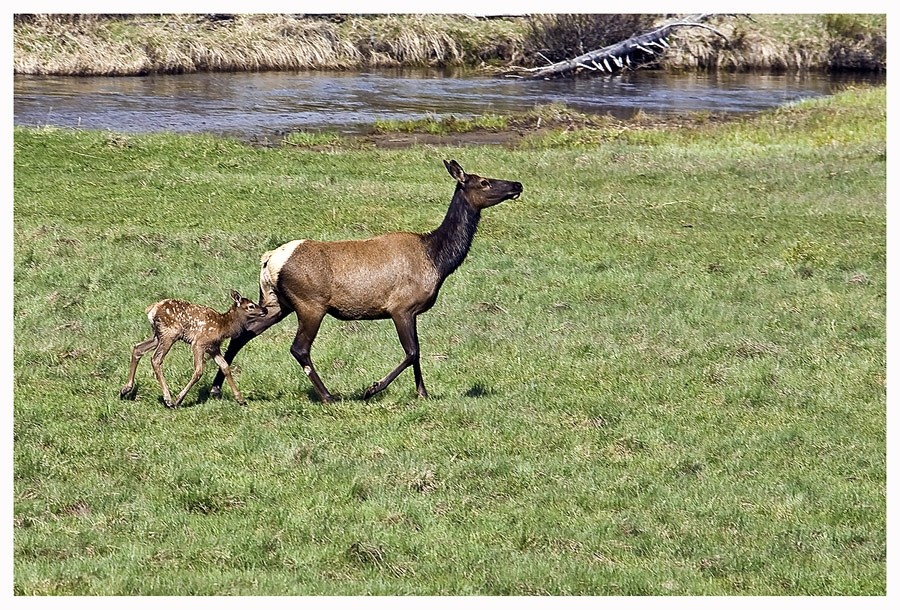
(516, 190)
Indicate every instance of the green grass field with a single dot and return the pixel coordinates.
(659, 372)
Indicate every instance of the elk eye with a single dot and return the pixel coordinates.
(485, 183)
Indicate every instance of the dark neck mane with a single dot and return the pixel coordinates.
(449, 243)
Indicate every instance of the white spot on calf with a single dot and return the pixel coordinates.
(307, 369)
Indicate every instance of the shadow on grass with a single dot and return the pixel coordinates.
(478, 390)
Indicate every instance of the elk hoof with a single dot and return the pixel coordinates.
(127, 393)
(371, 391)
(216, 392)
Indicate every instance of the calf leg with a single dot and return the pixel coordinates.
(254, 329)
(226, 370)
(198, 372)
(409, 339)
(139, 350)
(162, 348)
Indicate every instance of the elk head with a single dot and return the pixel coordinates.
(482, 192)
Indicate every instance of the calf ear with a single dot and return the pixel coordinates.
(455, 170)
(236, 297)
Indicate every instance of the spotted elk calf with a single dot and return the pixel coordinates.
(394, 276)
(204, 329)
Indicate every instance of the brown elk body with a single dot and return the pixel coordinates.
(394, 276)
(204, 329)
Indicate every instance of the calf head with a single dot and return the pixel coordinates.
(247, 308)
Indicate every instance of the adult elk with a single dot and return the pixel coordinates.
(396, 276)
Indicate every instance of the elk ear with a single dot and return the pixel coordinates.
(236, 297)
(455, 170)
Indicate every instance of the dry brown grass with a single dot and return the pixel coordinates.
(143, 44)
(191, 43)
(413, 40)
(179, 43)
(781, 42)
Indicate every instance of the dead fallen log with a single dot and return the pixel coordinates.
(627, 54)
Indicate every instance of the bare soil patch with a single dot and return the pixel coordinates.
(507, 137)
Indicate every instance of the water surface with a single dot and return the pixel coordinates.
(273, 103)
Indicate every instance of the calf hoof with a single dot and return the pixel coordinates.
(216, 392)
(127, 393)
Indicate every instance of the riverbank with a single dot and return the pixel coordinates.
(534, 128)
(128, 45)
(553, 125)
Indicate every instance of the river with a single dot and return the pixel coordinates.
(253, 104)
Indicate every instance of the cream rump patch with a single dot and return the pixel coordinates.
(270, 266)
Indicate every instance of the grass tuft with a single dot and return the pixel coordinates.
(444, 125)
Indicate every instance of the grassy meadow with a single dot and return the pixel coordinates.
(659, 372)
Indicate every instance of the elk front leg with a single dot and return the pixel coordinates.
(306, 334)
(409, 339)
(127, 391)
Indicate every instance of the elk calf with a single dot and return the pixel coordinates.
(395, 276)
(202, 328)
